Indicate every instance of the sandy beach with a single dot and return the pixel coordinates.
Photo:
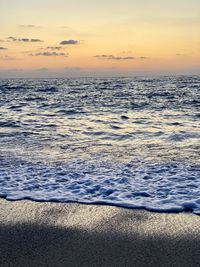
(51, 234)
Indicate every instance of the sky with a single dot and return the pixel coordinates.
(63, 38)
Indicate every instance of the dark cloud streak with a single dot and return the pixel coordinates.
(112, 57)
(69, 42)
(24, 40)
(54, 47)
(49, 54)
(29, 26)
(35, 40)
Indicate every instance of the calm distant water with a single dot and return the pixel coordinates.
(132, 142)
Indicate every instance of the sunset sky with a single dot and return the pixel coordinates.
(61, 38)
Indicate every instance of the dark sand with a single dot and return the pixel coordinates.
(50, 234)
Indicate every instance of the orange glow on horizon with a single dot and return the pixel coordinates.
(132, 38)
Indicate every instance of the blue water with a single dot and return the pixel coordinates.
(132, 142)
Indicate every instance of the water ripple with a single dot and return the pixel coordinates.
(131, 142)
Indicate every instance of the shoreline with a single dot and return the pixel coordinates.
(123, 205)
(72, 234)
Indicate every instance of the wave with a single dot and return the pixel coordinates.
(130, 142)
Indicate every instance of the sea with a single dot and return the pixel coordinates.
(129, 142)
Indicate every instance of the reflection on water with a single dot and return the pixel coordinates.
(129, 141)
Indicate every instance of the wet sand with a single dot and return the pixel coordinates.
(51, 234)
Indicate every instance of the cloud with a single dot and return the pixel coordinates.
(29, 26)
(25, 40)
(35, 40)
(12, 38)
(3, 48)
(142, 57)
(49, 54)
(112, 57)
(69, 42)
(54, 47)
(180, 55)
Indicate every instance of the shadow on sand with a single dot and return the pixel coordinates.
(25, 244)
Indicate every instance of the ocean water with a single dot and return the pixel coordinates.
(131, 142)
